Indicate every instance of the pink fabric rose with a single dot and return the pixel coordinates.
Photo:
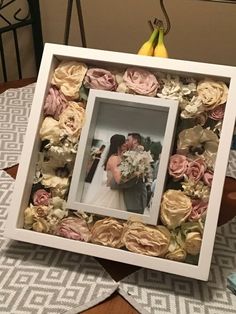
(196, 169)
(207, 178)
(100, 79)
(74, 228)
(141, 81)
(199, 208)
(217, 113)
(55, 103)
(41, 197)
(177, 166)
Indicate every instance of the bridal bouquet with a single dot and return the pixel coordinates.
(135, 163)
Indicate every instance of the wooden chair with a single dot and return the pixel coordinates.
(14, 25)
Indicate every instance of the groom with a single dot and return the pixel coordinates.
(135, 191)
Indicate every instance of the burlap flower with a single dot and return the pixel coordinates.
(75, 228)
(107, 232)
(143, 239)
(141, 81)
(68, 77)
(175, 208)
(72, 120)
(212, 93)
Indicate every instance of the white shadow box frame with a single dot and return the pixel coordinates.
(157, 111)
(52, 55)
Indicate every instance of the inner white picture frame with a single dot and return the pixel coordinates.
(52, 55)
(130, 111)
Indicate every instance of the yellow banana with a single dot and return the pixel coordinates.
(160, 49)
(147, 48)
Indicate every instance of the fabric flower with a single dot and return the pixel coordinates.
(175, 208)
(72, 120)
(207, 178)
(41, 225)
(193, 243)
(217, 113)
(196, 169)
(197, 141)
(178, 255)
(212, 93)
(143, 239)
(50, 130)
(192, 108)
(55, 103)
(100, 79)
(32, 214)
(41, 197)
(141, 81)
(199, 208)
(196, 190)
(177, 166)
(74, 228)
(68, 77)
(174, 88)
(122, 87)
(107, 232)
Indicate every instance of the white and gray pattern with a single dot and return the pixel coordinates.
(15, 107)
(156, 292)
(40, 280)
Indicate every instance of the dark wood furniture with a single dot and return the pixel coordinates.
(116, 304)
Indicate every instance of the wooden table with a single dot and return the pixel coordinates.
(116, 304)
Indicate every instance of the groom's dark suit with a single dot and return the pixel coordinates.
(135, 194)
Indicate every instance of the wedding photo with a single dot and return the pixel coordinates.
(122, 149)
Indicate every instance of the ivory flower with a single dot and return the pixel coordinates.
(192, 108)
(72, 120)
(175, 208)
(107, 232)
(193, 243)
(74, 228)
(50, 130)
(68, 77)
(196, 190)
(212, 93)
(178, 255)
(141, 81)
(174, 88)
(143, 239)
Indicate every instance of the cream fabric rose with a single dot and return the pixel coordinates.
(178, 165)
(50, 130)
(100, 79)
(212, 93)
(72, 120)
(41, 225)
(143, 239)
(175, 208)
(107, 232)
(33, 214)
(68, 77)
(193, 243)
(178, 255)
(192, 108)
(141, 81)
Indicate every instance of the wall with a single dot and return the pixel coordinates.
(201, 31)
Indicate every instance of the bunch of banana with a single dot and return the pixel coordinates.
(155, 44)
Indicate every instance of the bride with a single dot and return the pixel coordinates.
(105, 196)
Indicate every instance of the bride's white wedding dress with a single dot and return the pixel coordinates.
(106, 197)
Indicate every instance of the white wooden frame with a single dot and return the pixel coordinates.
(97, 97)
(52, 55)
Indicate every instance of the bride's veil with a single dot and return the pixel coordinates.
(99, 178)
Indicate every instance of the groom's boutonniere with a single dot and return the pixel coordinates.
(135, 163)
